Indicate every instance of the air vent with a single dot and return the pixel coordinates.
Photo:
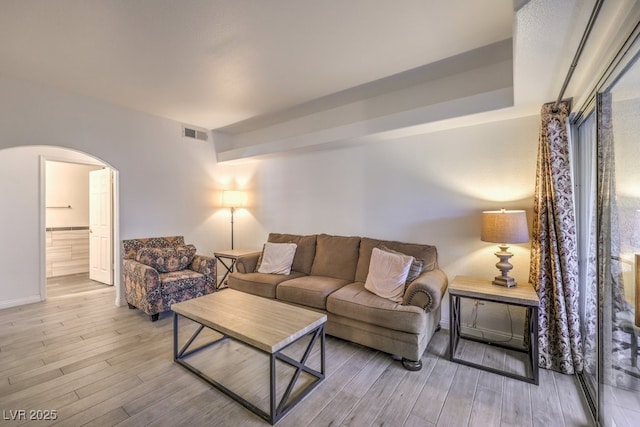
(195, 133)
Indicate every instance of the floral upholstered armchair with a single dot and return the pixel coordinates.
(160, 271)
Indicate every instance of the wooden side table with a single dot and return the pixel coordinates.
(522, 295)
(231, 256)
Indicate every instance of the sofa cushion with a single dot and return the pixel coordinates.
(130, 247)
(414, 271)
(310, 291)
(388, 273)
(305, 252)
(355, 302)
(277, 258)
(336, 256)
(261, 284)
(167, 259)
(425, 253)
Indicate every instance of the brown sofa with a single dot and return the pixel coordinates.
(328, 274)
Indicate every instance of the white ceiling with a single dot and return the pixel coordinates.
(215, 63)
(212, 63)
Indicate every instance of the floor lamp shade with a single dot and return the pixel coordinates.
(504, 227)
(232, 198)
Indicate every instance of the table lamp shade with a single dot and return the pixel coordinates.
(504, 226)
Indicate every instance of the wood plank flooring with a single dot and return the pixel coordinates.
(95, 364)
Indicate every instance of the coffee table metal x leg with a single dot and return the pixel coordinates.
(276, 409)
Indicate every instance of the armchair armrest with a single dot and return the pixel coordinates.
(427, 290)
(136, 272)
(206, 265)
(141, 286)
(247, 263)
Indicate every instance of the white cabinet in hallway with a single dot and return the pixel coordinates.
(67, 250)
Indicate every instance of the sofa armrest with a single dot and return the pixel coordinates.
(427, 290)
(247, 263)
(207, 266)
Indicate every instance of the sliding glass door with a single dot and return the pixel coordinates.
(607, 159)
(618, 109)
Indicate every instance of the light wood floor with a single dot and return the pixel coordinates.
(100, 365)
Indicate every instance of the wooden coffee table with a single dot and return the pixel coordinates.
(266, 325)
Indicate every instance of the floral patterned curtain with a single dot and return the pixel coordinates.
(554, 259)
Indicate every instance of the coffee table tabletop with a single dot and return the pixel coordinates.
(263, 323)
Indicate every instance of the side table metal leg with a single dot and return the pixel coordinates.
(228, 269)
(175, 336)
(454, 320)
(533, 345)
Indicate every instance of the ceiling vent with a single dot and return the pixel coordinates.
(195, 133)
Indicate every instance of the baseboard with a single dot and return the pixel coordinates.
(121, 302)
(20, 301)
(490, 334)
(444, 324)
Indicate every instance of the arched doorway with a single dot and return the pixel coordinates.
(23, 220)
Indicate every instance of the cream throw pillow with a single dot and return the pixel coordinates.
(277, 258)
(387, 274)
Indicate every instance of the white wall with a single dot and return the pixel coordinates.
(429, 188)
(167, 183)
(19, 224)
(67, 194)
(426, 189)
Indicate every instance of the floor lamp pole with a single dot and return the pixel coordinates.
(232, 209)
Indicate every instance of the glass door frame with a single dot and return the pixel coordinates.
(584, 159)
(627, 55)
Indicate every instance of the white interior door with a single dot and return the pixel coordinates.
(100, 226)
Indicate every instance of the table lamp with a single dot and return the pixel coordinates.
(504, 226)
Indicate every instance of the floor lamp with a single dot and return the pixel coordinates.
(232, 199)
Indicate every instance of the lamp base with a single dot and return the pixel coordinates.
(507, 282)
(504, 266)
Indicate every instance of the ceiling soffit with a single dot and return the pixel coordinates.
(472, 82)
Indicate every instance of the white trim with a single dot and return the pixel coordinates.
(490, 334)
(120, 301)
(42, 224)
(20, 301)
